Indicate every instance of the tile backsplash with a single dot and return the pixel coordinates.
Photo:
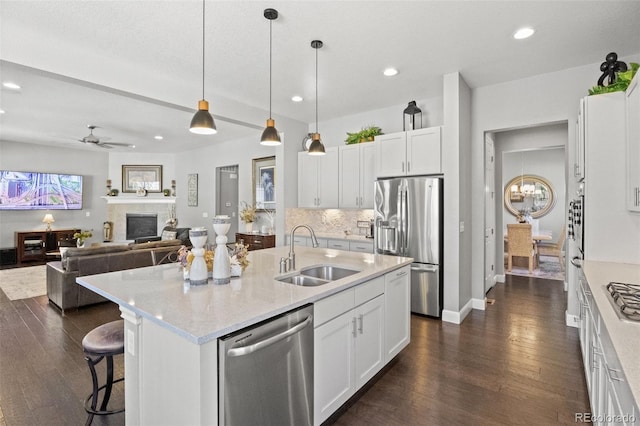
(328, 221)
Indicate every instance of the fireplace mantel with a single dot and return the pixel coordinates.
(139, 200)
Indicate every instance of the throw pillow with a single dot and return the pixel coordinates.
(168, 235)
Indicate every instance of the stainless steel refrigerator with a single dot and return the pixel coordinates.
(408, 222)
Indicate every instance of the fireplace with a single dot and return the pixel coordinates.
(141, 225)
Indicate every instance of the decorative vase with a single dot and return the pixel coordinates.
(221, 259)
(79, 243)
(198, 268)
(236, 270)
(248, 227)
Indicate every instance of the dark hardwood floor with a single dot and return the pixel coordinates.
(515, 363)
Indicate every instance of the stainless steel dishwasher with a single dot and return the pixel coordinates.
(265, 372)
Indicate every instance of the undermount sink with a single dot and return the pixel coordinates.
(329, 273)
(303, 281)
(317, 275)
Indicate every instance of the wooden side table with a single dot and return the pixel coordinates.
(256, 241)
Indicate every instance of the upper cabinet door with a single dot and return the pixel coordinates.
(307, 180)
(349, 176)
(391, 154)
(328, 179)
(633, 145)
(423, 151)
(367, 174)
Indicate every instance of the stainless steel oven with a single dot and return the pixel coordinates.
(576, 219)
(265, 373)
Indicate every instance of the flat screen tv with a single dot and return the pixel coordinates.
(39, 191)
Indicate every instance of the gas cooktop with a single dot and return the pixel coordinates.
(626, 299)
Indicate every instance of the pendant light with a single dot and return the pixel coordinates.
(316, 147)
(270, 136)
(202, 122)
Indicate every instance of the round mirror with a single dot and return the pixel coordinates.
(529, 194)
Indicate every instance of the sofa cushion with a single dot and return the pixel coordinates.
(168, 235)
(96, 250)
(154, 244)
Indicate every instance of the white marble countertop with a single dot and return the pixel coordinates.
(625, 335)
(335, 236)
(203, 313)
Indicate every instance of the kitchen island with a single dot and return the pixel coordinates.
(171, 328)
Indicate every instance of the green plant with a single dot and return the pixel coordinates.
(366, 133)
(622, 81)
(83, 235)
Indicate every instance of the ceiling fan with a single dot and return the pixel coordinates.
(101, 141)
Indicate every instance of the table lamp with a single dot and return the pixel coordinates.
(48, 219)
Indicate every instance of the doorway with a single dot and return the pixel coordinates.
(227, 197)
(540, 151)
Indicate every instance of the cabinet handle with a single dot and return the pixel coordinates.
(353, 323)
(357, 201)
(401, 273)
(408, 166)
(361, 319)
(361, 202)
(403, 167)
(637, 203)
(594, 364)
(612, 377)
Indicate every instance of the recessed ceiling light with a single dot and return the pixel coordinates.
(390, 72)
(1, 111)
(158, 137)
(132, 146)
(10, 85)
(523, 33)
(296, 98)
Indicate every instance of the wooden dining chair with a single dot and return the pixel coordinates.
(520, 244)
(554, 249)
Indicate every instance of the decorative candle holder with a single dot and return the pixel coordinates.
(173, 188)
(109, 187)
(221, 260)
(198, 269)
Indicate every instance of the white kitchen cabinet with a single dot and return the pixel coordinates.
(578, 165)
(338, 244)
(318, 179)
(349, 347)
(610, 397)
(357, 164)
(417, 152)
(633, 144)
(397, 293)
(334, 376)
(361, 246)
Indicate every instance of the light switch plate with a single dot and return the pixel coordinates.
(461, 226)
(205, 214)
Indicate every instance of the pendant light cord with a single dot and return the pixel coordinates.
(203, 1)
(270, 77)
(316, 90)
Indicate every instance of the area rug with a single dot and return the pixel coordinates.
(23, 283)
(549, 269)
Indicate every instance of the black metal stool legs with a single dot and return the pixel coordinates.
(108, 386)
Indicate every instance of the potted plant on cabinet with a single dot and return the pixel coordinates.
(367, 134)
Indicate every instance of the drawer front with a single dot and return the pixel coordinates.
(369, 290)
(332, 306)
(338, 244)
(361, 246)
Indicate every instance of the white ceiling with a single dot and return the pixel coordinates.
(135, 67)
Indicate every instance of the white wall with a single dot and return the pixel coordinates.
(456, 148)
(239, 152)
(334, 132)
(541, 99)
(37, 158)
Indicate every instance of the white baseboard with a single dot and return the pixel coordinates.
(500, 278)
(479, 304)
(571, 320)
(457, 317)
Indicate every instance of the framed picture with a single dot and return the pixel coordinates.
(192, 189)
(264, 183)
(141, 177)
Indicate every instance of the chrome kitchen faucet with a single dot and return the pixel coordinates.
(292, 255)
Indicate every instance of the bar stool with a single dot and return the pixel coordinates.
(104, 341)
